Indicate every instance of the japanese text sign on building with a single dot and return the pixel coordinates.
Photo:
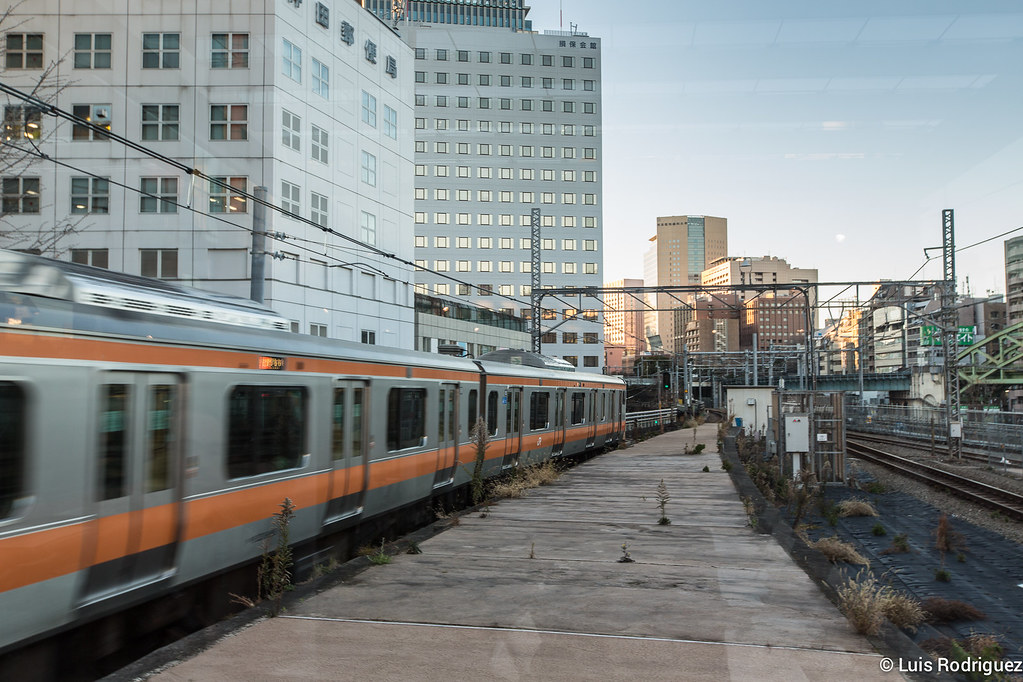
(930, 335)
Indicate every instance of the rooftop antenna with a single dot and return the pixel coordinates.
(561, 14)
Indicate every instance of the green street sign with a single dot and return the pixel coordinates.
(930, 335)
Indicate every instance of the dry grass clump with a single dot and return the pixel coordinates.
(941, 611)
(904, 611)
(533, 476)
(867, 604)
(837, 550)
(856, 507)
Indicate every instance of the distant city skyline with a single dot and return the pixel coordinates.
(829, 135)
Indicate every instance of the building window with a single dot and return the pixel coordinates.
(291, 131)
(161, 50)
(505, 81)
(587, 62)
(420, 53)
(24, 51)
(442, 78)
(317, 329)
(97, 258)
(97, 114)
(160, 121)
(162, 263)
(291, 198)
(226, 195)
(369, 109)
(22, 121)
(442, 55)
(369, 169)
(229, 122)
(569, 107)
(390, 122)
(291, 61)
(570, 337)
(92, 50)
(546, 60)
(321, 79)
(420, 76)
(90, 195)
(590, 337)
(230, 51)
(320, 143)
(368, 228)
(20, 195)
(484, 57)
(567, 61)
(590, 268)
(318, 210)
(159, 195)
(589, 107)
(590, 361)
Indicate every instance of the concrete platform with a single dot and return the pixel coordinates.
(535, 591)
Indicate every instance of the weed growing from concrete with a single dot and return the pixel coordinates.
(706, 469)
(413, 548)
(532, 550)
(480, 438)
(726, 465)
(274, 574)
(625, 558)
(662, 502)
(900, 545)
(379, 557)
(324, 568)
(878, 530)
(523, 479)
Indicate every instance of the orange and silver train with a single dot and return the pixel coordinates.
(149, 431)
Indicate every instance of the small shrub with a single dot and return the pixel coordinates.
(836, 550)
(700, 447)
(875, 488)
(856, 507)
(831, 516)
(726, 465)
(942, 611)
(521, 480)
(961, 558)
(900, 545)
(706, 469)
(978, 645)
(946, 539)
(942, 576)
(878, 530)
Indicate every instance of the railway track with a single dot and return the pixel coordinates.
(1004, 501)
(985, 457)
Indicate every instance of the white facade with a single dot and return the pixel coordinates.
(312, 100)
(508, 121)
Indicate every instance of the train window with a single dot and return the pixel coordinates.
(12, 447)
(406, 418)
(266, 429)
(357, 422)
(159, 423)
(451, 413)
(578, 408)
(337, 434)
(113, 445)
(473, 409)
(539, 410)
(492, 412)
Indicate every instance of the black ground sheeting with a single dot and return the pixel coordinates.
(987, 573)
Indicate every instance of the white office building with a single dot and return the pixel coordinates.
(312, 100)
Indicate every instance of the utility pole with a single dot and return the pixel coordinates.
(950, 334)
(534, 290)
(258, 245)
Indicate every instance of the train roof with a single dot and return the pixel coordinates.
(34, 275)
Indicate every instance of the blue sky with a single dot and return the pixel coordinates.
(829, 133)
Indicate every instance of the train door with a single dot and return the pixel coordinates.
(513, 427)
(559, 422)
(447, 434)
(132, 541)
(591, 415)
(349, 449)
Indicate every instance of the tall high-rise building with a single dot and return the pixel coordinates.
(684, 246)
(315, 103)
(624, 335)
(507, 121)
(1014, 279)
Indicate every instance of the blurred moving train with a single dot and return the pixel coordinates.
(149, 431)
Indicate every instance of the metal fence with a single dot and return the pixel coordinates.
(637, 422)
(997, 431)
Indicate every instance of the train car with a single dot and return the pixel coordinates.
(149, 431)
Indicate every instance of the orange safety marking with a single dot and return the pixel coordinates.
(38, 556)
(158, 526)
(47, 554)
